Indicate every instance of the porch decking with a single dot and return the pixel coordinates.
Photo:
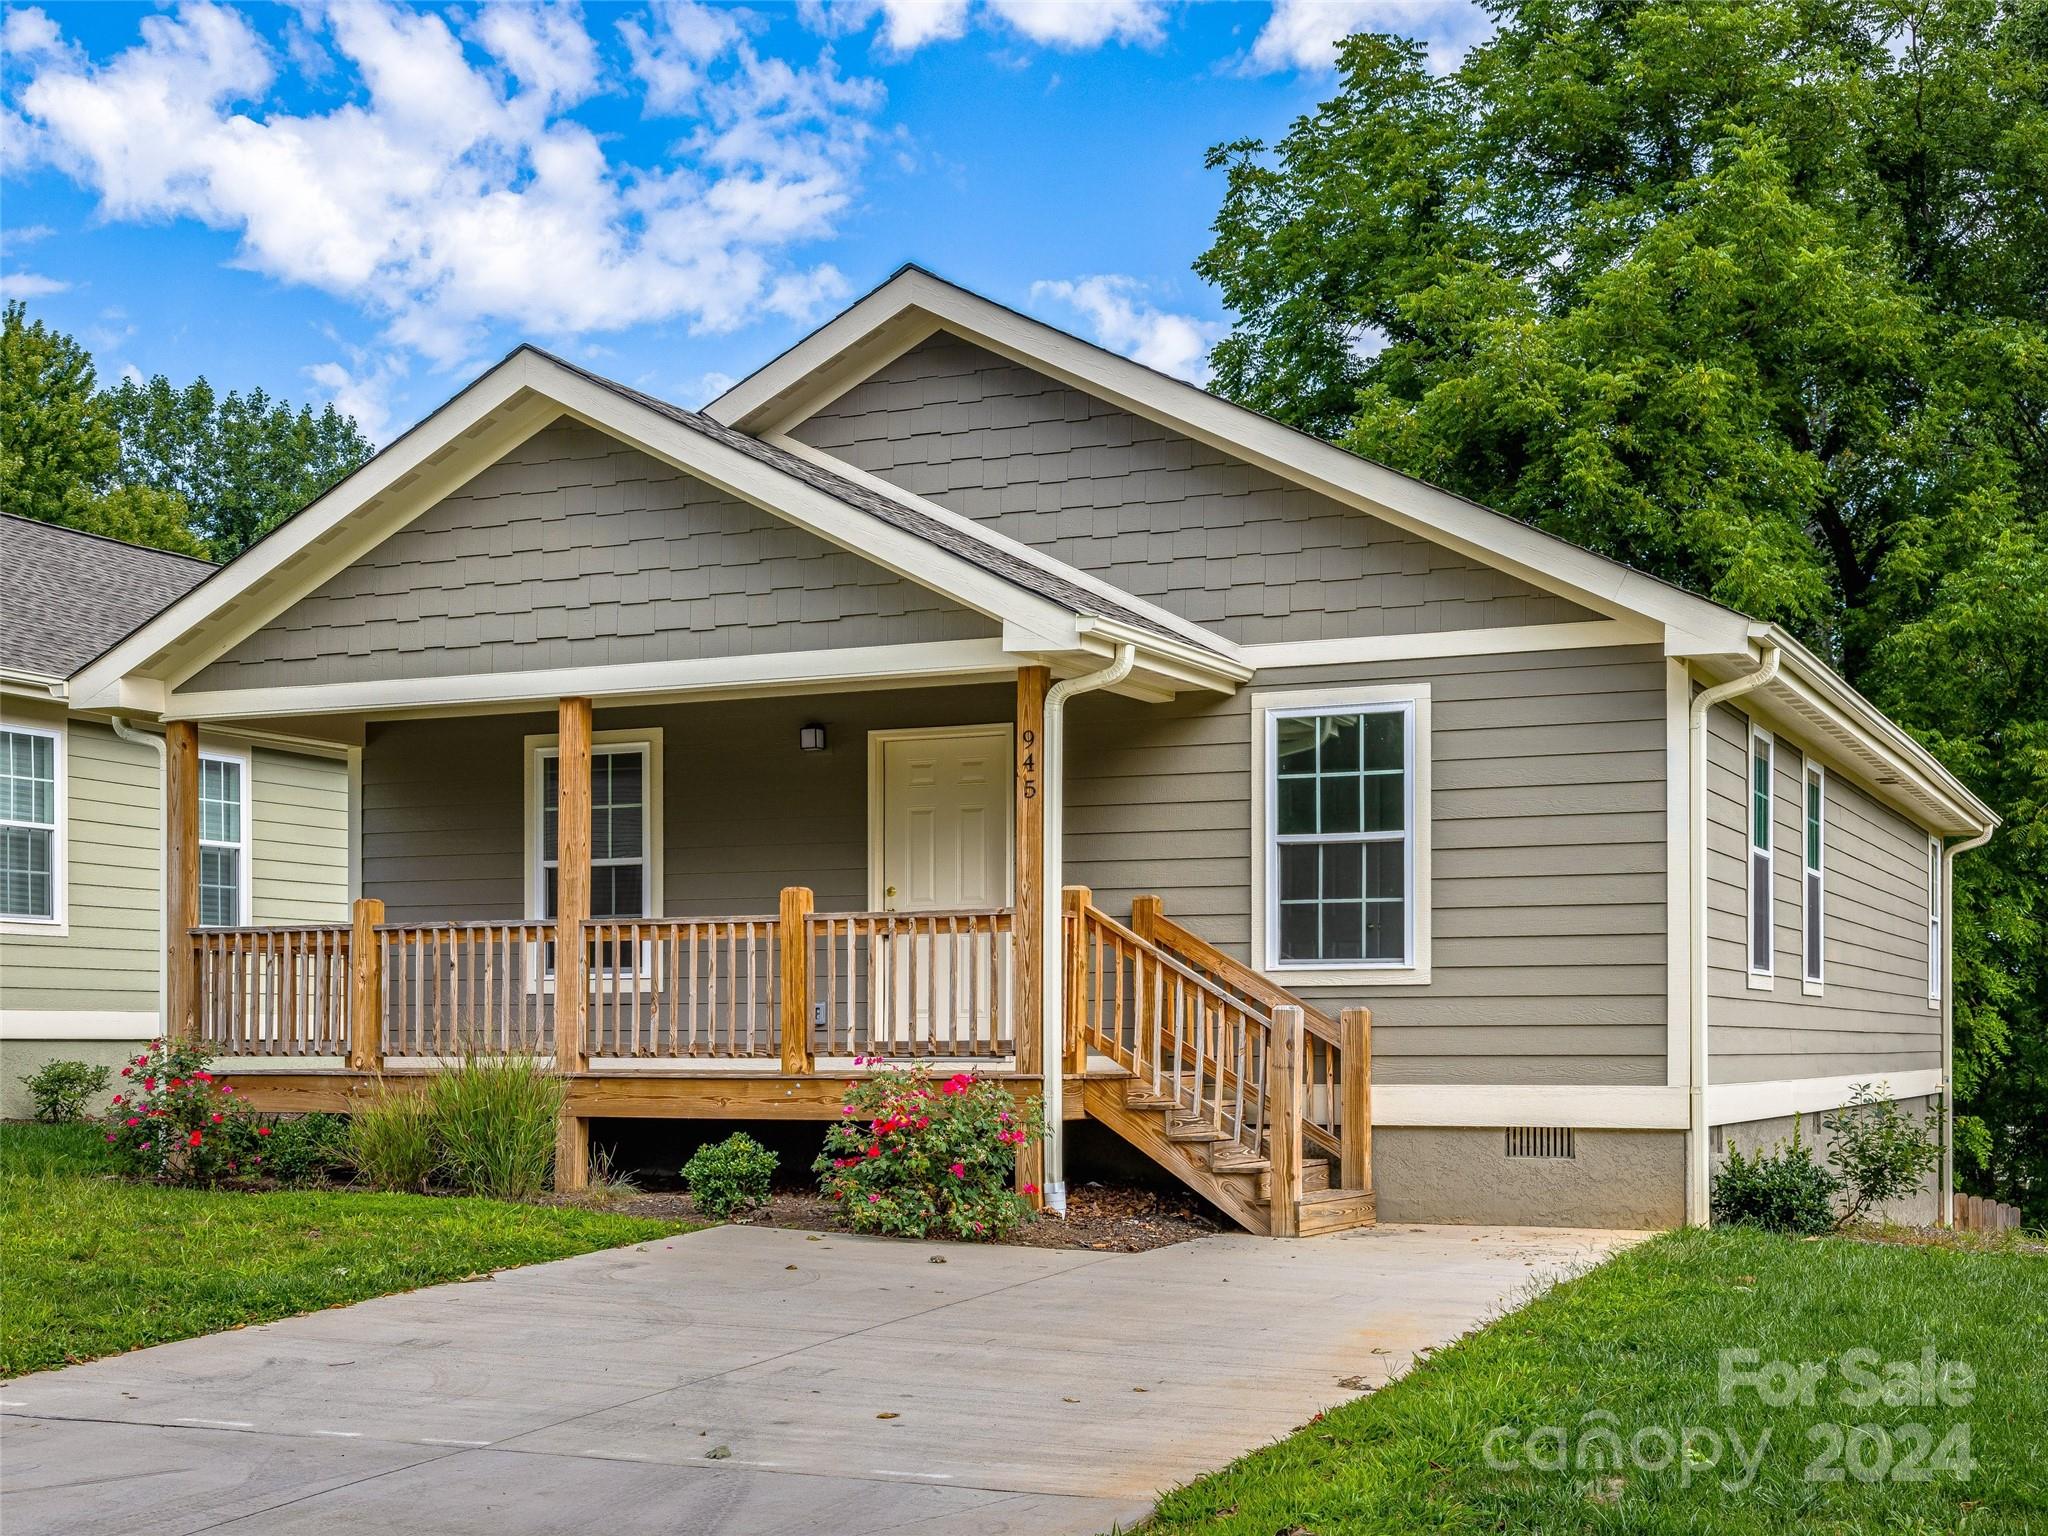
(1259, 1103)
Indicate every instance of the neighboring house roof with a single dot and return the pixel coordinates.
(67, 595)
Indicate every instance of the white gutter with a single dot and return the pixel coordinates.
(1698, 1163)
(1052, 1042)
(1946, 1191)
(128, 733)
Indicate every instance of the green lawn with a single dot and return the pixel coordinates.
(91, 1264)
(1640, 1340)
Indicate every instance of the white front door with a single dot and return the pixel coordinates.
(945, 845)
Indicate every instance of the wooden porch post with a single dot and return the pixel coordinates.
(1283, 1124)
(366, 988)
(1073, 931)
(1354, 1105)
(793, 935)
(181, 878)
(572, 907)
(1027, 923)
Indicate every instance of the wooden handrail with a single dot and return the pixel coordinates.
(1152, 923)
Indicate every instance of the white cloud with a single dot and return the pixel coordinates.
(1303, 34)
(30, 285)
(908, 25)
(362, 388)
(446, 195)
(1122, 319)
(27, 234)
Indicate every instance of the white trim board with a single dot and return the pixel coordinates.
(1491, 1105)
(79, 1024)
(1506, 640)
(1739, 1103)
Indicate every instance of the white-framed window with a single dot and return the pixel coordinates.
(1813, 915)
(625, 826)
(32, 855)
(1762, 816)
(224, 815)
(1341, 855)
(1934, 936)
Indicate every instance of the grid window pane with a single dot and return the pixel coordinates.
(1384, 747)
(618, 828)
(1760, 796)
(220, 887)
(26, 887)
(28, 778)
(1297, 745)
(1343, 901)
(1340, 814)
(220, 801)
(1813, 823)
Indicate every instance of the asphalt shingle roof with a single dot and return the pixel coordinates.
(65, 596)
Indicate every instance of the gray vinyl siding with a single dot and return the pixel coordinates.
(575, 550)
(1158, 514)
(1872, 1015)
(744, 811)
(1548, 853)
(298, 817)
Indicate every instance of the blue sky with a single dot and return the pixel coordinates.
(367, 202)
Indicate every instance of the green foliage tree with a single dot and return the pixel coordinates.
(242, 463)
(151, 463)
(1750, 294)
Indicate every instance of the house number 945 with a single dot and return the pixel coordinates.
(1027, 763)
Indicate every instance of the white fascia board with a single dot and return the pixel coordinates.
(449, 445)
(1489, 1105)
(772, 398)
(1506, 640)
(1740, 1103)
(779, 671)
(1016, 549)
(79, 1024)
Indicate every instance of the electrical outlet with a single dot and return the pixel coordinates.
(817, 1013)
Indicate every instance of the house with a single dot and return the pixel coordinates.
(82, 956)
(953, 688)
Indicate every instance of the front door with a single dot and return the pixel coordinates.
(944, 839)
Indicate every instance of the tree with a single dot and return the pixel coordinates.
(1750, 294)
(242, 463)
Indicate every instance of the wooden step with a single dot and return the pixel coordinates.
(1334, 1210)
(1187, 1160)
(1228, 1157)
(1315, 1175)
(1139, 1095)
(1192, 1130)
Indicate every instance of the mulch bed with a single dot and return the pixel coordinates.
(1110, 1218)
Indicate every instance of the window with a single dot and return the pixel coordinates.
(1816, 858)
(223, 841)
(625, 827)
(31, 826)
(1934, 953)
(1345, 850)
(1762, 962)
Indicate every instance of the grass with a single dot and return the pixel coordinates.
(1639, 1339)
(91, 1264)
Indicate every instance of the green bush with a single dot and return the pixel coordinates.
(391, 1140)
(173, 1120)
(1877, 1152)
(307, 1148)
(915, 1158)
(1784, 1190)
(62, 1089)
(730, 1177)
(494, 1121)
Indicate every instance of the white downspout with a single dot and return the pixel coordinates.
(1052, 1032)
(128, 733)
(1698, 1163)
(1946, 1192)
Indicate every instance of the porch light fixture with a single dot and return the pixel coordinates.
(811, 738)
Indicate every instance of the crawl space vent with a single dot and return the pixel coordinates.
(1540, 1141)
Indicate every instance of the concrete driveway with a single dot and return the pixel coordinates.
(742, 1380)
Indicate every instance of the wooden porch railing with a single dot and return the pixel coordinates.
(451, 989)
(273, 991)
(682, 988)
(911, 983)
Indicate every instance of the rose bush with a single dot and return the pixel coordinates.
(173, 1119)
(915, 1157)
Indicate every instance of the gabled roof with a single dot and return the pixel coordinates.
(66, 595)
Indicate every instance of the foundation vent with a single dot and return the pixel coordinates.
(1551, 1141)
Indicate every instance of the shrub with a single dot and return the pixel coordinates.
(915, 1158)
(729, 1177)
(494, 1125)
(62, 1089)
(1878, 1153)
(173, 1119)
(307, 1147)
(1784, 1190)
(391, 1139)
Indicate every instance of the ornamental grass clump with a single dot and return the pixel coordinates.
(174, 1120)
(391, 1139)
(494, 1123)
(915, 1157)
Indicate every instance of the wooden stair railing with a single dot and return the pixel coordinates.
(1216, 1090)
(1336, 1053)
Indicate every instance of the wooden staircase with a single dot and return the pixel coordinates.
(1251, 1098)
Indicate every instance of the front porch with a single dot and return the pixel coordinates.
(935, 943)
